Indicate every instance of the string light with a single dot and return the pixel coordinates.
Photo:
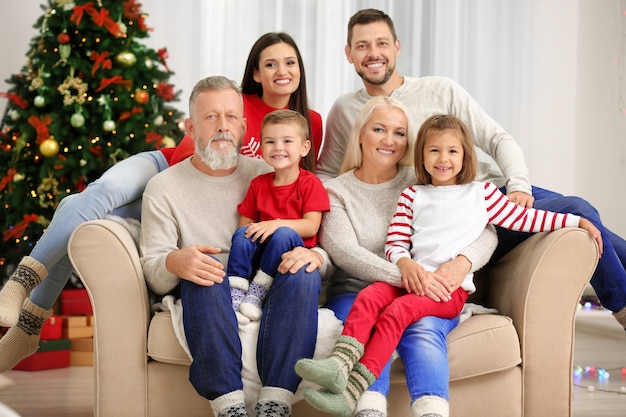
(603, 375)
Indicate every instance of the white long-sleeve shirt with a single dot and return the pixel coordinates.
(432, 224)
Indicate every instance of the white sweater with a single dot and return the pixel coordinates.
(425, 97)
(183, 207)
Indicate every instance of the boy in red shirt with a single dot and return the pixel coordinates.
(281, 210)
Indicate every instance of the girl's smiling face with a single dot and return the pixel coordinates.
(443, 156)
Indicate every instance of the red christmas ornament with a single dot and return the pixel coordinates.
(141, 97)
(63, 38)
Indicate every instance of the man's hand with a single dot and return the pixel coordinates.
(193, 264)
(295, 259)
(521, 198)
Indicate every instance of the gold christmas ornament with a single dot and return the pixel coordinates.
(126, 59)
(108, 125)
(168, 142)
(141, 96)
(39, 101)
(49, 147)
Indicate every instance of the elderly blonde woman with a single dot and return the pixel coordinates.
(377, 167)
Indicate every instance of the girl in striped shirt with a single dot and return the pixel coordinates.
(434, 220)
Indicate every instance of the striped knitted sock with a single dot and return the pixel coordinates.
(28, 274)
(343, 404)
(332, 373)
(22, 340)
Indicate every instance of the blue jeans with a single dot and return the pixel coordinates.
(287, 333)
(609, 278)
(118, 191)
(245, 254)
(422, 348)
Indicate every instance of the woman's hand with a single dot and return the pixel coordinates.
(454, 271)
(193, 264)
(295, 259)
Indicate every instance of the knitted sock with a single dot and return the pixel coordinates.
(238, 288)
(343, 404)
(620, 316)
(22, 340)
(430, 406)
(332, 372)
(252, 303)
(371, 404)
(274, 402)
(28, 274)
(229, 405)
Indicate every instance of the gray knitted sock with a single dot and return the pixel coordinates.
(271, 408)
(237, 410)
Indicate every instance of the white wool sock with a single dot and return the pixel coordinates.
(28, 274)
(430, 404)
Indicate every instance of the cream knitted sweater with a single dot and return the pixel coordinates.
(183, 207)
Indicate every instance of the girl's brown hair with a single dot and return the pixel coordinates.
(436, 125)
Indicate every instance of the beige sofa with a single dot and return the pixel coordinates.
(515, 364)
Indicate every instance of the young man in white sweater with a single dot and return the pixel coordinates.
(189, 214)
(372, 49)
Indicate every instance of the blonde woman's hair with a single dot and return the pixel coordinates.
(354, 154)
(436, 125)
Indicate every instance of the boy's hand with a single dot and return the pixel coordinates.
(593, 232)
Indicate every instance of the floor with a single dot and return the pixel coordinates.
(600, 344)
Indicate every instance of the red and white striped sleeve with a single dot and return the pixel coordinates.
(504, 213)
(398, 244)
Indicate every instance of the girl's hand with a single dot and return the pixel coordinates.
(415, 279)
(593, 232)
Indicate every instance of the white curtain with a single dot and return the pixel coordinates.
(481, 44)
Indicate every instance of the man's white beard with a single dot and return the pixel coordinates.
(219, 160)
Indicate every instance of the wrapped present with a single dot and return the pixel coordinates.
(52, 328)
(82, 352)
(50, 355)
(75, 327)
(75, 301)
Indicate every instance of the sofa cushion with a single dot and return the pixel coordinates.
(480, 345)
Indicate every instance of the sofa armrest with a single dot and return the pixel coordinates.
(105, 257)
(538, 285)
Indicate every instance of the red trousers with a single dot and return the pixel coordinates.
(381, 313)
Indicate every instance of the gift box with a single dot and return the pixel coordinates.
(76, 327)
(75, 301)
(52, 328)
(81, 353)
(51, 354)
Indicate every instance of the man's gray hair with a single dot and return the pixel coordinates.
(216, 82)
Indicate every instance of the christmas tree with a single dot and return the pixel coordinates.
(89, 96)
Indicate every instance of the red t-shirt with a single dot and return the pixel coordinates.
(264, 201)
(254, 111)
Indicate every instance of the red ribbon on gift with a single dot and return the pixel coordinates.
(41, 126)
(127, 114)
(15, 99)
(115, 80)
(18, 230)
(7, 178)
(102, 61)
